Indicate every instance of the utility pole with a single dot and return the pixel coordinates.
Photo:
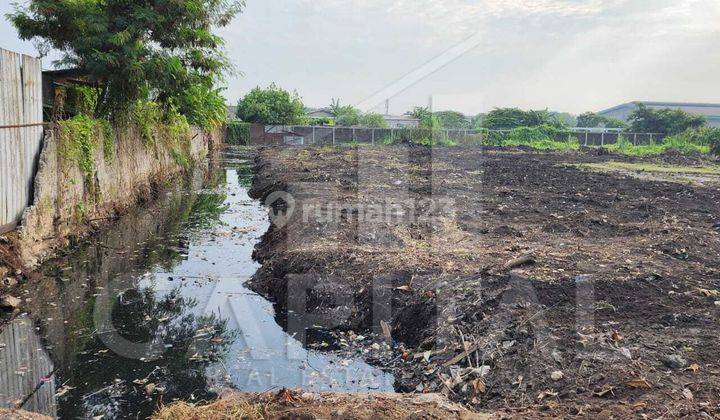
(387, 106)
(430, 103)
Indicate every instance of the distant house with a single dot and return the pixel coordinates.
(401, 121)
(320, 113)
(711, 112)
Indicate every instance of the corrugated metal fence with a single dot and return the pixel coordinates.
(26, 372)
(21, 133)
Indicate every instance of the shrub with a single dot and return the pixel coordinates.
(703, 136)
(238, 133)
(544, 137)
(420, 136)
(689, 142)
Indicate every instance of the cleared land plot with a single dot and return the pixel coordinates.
(545, 288)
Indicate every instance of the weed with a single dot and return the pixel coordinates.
(77, 142)
(108, 136)
(80, 100)
(238, 133)
(678, 143)
(147, 116)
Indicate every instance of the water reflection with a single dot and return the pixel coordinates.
(155, 310)
(263, 356)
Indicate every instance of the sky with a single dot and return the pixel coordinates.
(563, 55)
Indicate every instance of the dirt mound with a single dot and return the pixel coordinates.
(289, 404)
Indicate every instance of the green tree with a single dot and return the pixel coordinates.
(273, 105)
(509, 118)
(588, 120)
(592, 120)
(134, 50)
(663, 121)
(421, 113)
(345, 115)
(565, 118)
(427, 119)
(452, 120)
(477, 121)
(506, 119)
(373, 120)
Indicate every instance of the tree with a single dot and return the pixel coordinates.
(427, 119)
(345, 115)
(273, 105)
(565, 118)
(134, 50)
(421, 113)
(452, 120)
(588, 120)
(663, 121)
(592, 120)
(509, 118)
(373, 120)
(477, 121)
(348, 116)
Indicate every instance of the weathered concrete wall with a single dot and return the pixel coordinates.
(69, 203)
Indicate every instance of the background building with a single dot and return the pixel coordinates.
(710, 111)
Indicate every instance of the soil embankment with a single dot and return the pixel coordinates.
(514, 281)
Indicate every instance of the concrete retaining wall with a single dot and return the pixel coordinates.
(68, 204)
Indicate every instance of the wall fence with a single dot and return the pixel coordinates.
(21, 133)
(328, 135)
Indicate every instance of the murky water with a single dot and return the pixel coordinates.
(156, 310)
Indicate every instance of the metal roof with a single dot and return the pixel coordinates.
(706, 109)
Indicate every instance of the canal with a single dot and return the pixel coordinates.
(155, 309)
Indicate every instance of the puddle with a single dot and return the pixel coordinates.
(156, 310)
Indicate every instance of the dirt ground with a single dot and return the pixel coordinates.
(295, 404)
(520, 282)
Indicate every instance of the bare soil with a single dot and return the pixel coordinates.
(543, 290)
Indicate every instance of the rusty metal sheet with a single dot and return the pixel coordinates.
(20, 136)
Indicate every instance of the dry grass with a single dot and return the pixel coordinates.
(226, 408)
(295, 404)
